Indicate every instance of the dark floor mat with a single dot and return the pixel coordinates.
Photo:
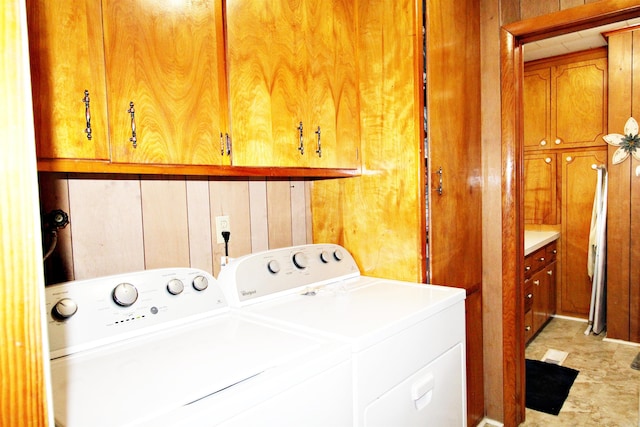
(547, 386)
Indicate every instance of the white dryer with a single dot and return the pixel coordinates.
(407, 339)
(162, 348)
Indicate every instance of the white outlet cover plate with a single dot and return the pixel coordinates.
(222, 224)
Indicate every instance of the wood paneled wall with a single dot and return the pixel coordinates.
(23, 351)
(129, 223)
(534, 8)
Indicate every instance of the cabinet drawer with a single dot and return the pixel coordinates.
(534, 262)
(551, 251)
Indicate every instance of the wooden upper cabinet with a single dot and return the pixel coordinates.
(165, 58)
(67, 59)
(292, 73)
(537, 107)
(565, 101)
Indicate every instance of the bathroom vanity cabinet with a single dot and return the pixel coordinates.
(539, 280)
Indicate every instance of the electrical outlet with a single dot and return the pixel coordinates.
(222, 224)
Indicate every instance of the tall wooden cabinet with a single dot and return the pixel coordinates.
(623, 245)
(579, 179)
(380, 215)
(540, 188)
(565, 116)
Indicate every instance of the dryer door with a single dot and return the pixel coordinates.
(433, 396)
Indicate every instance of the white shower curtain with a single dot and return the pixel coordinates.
(596, 265)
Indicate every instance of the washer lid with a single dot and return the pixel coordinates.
(363, 311)
(139, 379)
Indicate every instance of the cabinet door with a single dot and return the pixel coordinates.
(331, 87)
(540, 306)
(163, 57)
(540, 200)
(579, 179)
(67, 59)
(537, 108)
(579, 109)
(294, 75)
(266, 62)
(551, 270)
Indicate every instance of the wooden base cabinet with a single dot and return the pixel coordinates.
(540, 289)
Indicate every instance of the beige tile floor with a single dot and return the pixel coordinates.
(606, 391)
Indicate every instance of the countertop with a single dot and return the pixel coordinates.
(534, 240)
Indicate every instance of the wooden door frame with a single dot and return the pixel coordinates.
(512, 38)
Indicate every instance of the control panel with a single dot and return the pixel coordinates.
(84, 314)
(258, 276)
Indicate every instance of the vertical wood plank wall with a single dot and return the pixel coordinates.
(23, 351)
(129, 223)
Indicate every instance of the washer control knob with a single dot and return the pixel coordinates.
(175, 286)
(200, 283)
(324, 257)
(337, 254)
(300, 260)
(125, 294)
(273, 266)
(64, 309)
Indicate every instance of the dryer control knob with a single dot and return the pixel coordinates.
(200, 283)
(337, 254)
(300, 260)
(273, 266)
(64, 309)
(324, 257)
(125, 294)
(175, 286)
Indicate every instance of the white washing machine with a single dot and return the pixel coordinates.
(407, 339)
(162, 348)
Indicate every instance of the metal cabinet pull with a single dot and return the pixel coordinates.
(87, 114)
(134, 138)
(301, 139)
(529, 295)
(536, 282)
(225, 144)
(440, 189)
(319, 149)
(550, 272)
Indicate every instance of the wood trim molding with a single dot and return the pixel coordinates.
(512, 37)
